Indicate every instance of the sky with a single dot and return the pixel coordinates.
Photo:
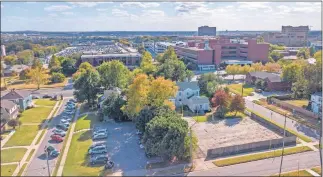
(157, 16)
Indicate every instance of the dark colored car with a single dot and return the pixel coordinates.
(62, 127)
(100, 159)
(109, 165)
(35, 97)
(52, 151)
(47, 96)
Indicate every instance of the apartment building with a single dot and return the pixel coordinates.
(316, 103)
(206, 31)
(131, 60)
(208, 54)
(289, 36)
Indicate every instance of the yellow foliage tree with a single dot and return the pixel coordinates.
(272, 67)
(146, 64)
(257, 66)
(137, 95)
(160, 90)
(38, 76)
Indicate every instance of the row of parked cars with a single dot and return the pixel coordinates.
(98, 151)
(60, 129)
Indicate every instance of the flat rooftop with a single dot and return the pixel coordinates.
(112, 55)
(229, 132)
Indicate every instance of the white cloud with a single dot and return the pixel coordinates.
(254, 5)
(155, 13)
(2, 6)
(120, 13)
(84, 4)
(57, 8)
(187, 7)
(102, 9)
(67, 13)
(30, 2)
(139, 4)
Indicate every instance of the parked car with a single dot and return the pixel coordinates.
(98, 144)
(258, 90)
(62, 127)
(52, 151)
(68, 112)
(72, 100)
(100, 159)
(98, 150)
(47, 96)
(99, 136)
(67, 124)
(59, 132)
(66, 119)
(56, 138)
(100, 131)
(35, 97)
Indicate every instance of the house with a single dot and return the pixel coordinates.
(14, 69)
(188, 94)
(316, 103)
(273, 80)
(22, 98)
(8, 110)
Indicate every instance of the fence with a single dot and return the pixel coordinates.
(290, 140)
(292, 108)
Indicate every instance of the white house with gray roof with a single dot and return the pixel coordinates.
(189, 94)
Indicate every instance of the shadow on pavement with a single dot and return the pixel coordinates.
(308, 131)
(85, 136)
(232, 121)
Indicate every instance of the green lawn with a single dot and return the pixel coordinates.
(304, 138)
(259, 156)
(35, 115)
(12, 155)
(45, 102)
(201, 118)
(298, 103)
(76, 163)
(23, 136)
(7, 170)
(237, 89)
(234, 115)
(317, 170)
(295, 173)
(85, 122)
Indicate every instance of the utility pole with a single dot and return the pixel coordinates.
(281, 161)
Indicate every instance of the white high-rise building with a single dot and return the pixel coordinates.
(3, 50)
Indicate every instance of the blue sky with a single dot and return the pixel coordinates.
(157, 16)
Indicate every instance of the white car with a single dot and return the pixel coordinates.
(100, 131)
(64, 121)
(142, 146)
(98, 150)
(99, 136)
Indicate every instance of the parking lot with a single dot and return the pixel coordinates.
(230, 132)
(123, 147)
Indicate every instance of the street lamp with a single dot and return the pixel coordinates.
(47, 152)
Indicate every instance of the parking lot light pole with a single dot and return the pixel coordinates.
(46, 152)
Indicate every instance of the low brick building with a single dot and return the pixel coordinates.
(274, 82)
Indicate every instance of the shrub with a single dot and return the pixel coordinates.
(57, 78)
(56, 70)
(14, 123)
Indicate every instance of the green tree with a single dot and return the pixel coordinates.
(114, 74)
(10, 60)
(146, 64)
(54, 62)
(237, 104)
(86, 86)
(36, 63)
(174, 70)
(208, 83)
(68, 67)
(25, 56)
(57, 77)
(14, 123)
(312, 51)
(85, 66)
(112, 106)
(276, 55)
(291, 71)
(303, 53)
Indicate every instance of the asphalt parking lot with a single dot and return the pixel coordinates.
(123, 146)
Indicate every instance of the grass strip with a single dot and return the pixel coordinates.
(295, 173)
(302, 137)
(317, 170)
(30, 154)
(12, 155)
(40, 137)
(22, 169)
(7, 170)
(259, 156)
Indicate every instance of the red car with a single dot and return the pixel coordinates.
(56, 138)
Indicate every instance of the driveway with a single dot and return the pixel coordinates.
(123, 147)
(38, 165)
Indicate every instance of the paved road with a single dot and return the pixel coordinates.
(264, 167)
(67, 91)
(291, 124)
(38, 165)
